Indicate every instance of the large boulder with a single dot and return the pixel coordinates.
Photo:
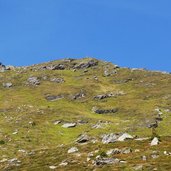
(109, 138)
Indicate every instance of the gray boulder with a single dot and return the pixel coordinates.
(124, 137)
(126, 150)
(57, 80)
(33, 81)
(113, 151)
(54, 97)
(109, 138)
(85, 65)
(104, 161)
(83, 138)
(73, 150)
(7, 85)
(155, 141)
(69, 125)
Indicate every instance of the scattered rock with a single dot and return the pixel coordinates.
(104, 111)
(106, 73)
(124, 137)
(108, 95)
(109, 138)
(57, 80)
(63, 163)
(142, 139)
(85, 65)
(155, 154)
(113, 151)
(78, 96)
(153, 125)
(9, 67)
(52, 167)
(155, 141)
(144, 158)
(138, 167)
(103, 161)
(126, 150)
(33, 81)
(55, 67)
(69, 125)
(2, 67)
(14, 162)
(81, 122)
(167, 153)
(7, 85)
(73, 150)
(83, 138)
(99, 125)
(56, 122)
(54, 97)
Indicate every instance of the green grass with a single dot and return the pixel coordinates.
(23, 103)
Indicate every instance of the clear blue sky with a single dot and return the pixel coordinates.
(132, 33)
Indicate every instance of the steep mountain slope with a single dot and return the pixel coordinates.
(44, 109)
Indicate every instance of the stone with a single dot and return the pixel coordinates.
(78, 96)
(109, 138)
(69, 125)
(56, 122)
(88, 159)
(33, 81)
(63, 163)
(153, 125)
(57, 80)
(55, 67)
(126, 150)
(81, 122)
(104, 161)
(155, 141)
(113, 151)
(142, 139)
(54, 97)
(7, 85)
(9, 67)
(138, 168)
(2, 67)
(144, 158)
(98, 126)
(85, 65)
(83, 138)
(73, 150)
(52, 167)
(124, 137)
(106, 73)
(104, 111)
(101, 96)
(155, 154)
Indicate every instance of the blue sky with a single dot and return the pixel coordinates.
(129, 33)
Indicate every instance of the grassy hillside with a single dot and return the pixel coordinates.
(28, 131)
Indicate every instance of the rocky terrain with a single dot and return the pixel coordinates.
(84, 114)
